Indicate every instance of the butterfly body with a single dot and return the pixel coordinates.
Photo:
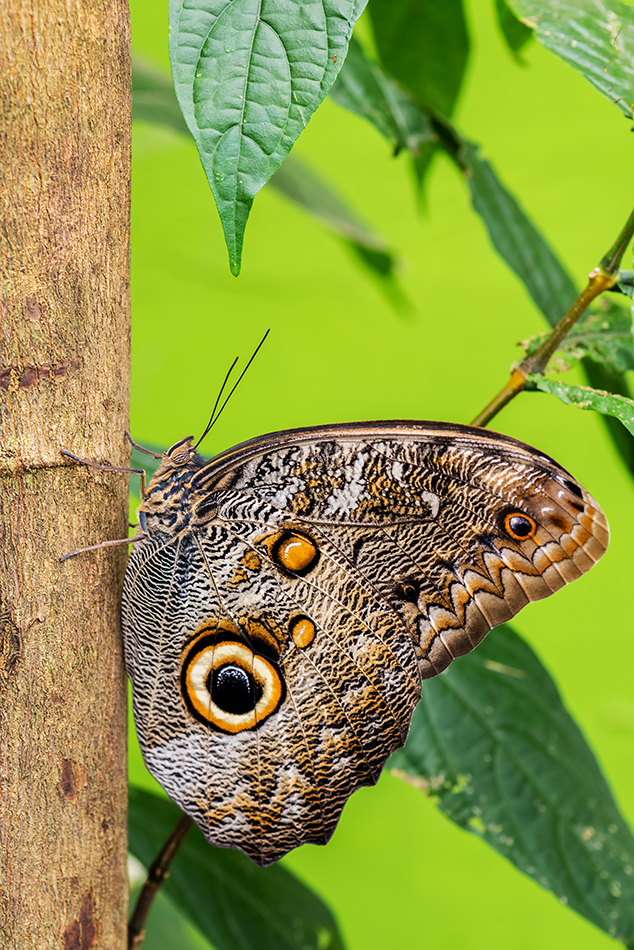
(293, 593)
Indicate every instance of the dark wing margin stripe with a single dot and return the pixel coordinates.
(422, 430)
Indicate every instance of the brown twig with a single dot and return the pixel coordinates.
(602, 278)
(158, 873)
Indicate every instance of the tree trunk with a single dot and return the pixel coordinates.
(64, 383)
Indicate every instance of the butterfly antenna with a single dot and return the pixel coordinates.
(218, 397)
(215, 418)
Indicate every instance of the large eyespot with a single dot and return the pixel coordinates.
(295, 553)
(518, 525)
(227, 686)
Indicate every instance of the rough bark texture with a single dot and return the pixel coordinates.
(64, 372)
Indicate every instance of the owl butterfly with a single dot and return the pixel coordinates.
(291, 594)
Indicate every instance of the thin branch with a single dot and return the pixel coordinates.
(158, 873)
(602, 278)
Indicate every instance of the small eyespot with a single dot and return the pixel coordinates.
(295, 553)
(302, 631)
(519, 526)
(408, 591)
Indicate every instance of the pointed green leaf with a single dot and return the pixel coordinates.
(516, 33)
(516, 238)
(154, 100)
(248, 75)
(583, 397)
(593, 36)
(364, 88)
(234, 903)
(493, 745)
(424, 45)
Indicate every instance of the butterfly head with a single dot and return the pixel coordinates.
(169, 488)
(178, 460)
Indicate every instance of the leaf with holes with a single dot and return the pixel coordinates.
(605, 335)
(494, 746)
(364, 88)
(583, 397)
(248, 75)
(593, 36)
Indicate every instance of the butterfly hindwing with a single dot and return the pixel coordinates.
(293, 592)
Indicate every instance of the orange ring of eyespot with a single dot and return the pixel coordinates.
(202, 657)
(511, 533)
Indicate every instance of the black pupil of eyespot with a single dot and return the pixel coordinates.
(520, 526)
(234, 690)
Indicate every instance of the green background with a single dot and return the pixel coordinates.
(396, 871)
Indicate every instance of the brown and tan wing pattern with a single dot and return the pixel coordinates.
(294, 590)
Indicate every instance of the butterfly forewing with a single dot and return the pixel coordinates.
(294, 591)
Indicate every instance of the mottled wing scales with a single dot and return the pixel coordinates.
(294, 590)
(423, 520)
(350, 692)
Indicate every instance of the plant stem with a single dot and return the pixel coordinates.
(611, 262)
(158, 873)
(602, 278)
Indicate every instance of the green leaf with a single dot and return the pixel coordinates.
(605, 335)
(514, 235)
(625, 282)
(583, 397)
(424, 45)
(601, 378)
(234, 903)
(364, 88)
(248, 75)
(154, 100)
(513, 30)
(166, 928)
(492, 743)
(594, 37)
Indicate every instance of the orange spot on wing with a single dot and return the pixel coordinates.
(303, 632)
(295, 552)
